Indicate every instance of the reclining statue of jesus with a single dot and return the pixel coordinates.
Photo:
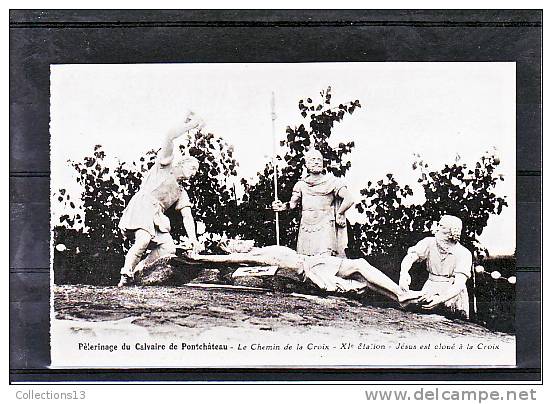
(329, 273)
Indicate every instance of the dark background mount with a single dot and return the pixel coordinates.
(40, 38)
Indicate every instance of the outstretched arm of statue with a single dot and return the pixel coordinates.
(406, 265)
(280, 256)
(294, 200)
(189, 122)
(235, 258)
(433, 300)
(279, 206)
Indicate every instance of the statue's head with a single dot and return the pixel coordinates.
(186, 167)
(449, 228)
(314, 162)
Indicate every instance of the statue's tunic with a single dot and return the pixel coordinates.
(318, 232)
(158, 192)
(443, 265)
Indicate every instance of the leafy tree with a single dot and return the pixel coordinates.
(392, 224)
(255, 218)
(94, 245)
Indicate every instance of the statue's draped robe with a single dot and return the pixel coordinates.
(318, 232)
(159, 191)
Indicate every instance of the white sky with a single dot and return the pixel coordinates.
(438, 110)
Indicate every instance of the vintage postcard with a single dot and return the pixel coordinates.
(285, 215)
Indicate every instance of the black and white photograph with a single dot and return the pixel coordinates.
(296, 215)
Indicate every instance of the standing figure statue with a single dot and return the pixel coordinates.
(449, 265)
(324, 200)
(144, 217)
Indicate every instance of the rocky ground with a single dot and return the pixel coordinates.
(376, 334)
(197, 308)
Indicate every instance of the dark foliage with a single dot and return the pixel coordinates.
(392, 225)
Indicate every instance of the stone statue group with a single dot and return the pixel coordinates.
(320, 256)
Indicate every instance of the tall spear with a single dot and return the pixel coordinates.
(273, 107)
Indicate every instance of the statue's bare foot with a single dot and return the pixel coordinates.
(409, 297)
(126, 280)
